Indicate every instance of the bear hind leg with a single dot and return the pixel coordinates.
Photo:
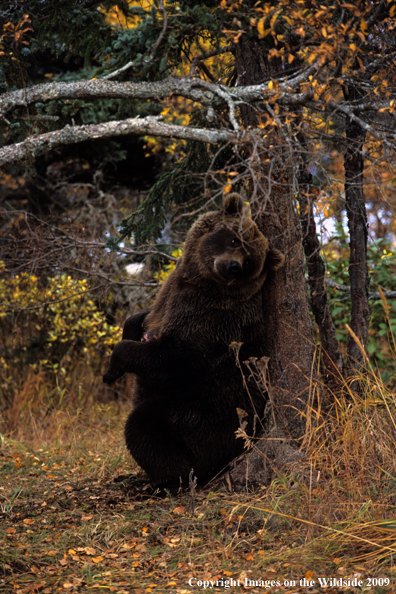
(154, 444)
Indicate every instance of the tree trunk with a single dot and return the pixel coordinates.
(316, 277)
(289, 340)
(357, 224)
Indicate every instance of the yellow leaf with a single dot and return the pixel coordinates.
(89, 551)
(97, 559)
(227, 189)
(274, 18)
(271, 85)
(260, 27)
(363, 26)
(309, 575)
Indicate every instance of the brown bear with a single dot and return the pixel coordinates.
(188, 382)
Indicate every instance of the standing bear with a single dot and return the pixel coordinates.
(189, 381)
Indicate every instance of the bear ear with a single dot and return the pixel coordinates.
(274, 259)
(233, 204)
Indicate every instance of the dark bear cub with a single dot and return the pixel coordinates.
(188, 383)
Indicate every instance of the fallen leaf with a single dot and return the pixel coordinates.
(89, 551)
(11, 530)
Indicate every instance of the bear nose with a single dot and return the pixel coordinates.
(234, 269)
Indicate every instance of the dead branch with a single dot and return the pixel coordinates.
(38, 145)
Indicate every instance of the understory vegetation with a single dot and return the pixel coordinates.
(75, 518)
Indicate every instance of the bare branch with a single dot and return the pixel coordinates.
(160, 38)
(197, 59)
(38, 145)
(177, 86)
(372, 295)
(348, 110)
(103, 89)
(225, 94)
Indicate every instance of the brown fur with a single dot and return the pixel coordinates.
(189, 384)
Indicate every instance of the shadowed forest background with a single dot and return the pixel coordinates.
(120, 124)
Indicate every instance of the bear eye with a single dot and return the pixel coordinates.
(235, 242)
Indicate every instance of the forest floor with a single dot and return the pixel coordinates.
(72, 521)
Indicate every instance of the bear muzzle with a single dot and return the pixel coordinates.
(230, 271)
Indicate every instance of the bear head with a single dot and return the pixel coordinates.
(227, 248)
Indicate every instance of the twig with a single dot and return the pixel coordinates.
(224, 93)
(160, 38)
(197, 59)
(372, 295)
(153, 51)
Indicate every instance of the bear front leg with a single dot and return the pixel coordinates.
(120, 361)
(155, 358)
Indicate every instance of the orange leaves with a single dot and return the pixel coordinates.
(17, 32)
(11, 531)
(262, 31)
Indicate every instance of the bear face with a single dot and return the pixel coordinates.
(189, 380)
(226, 249)
(230, 256)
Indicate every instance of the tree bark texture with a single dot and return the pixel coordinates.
(357, 224)
(317, 278)
(289, 340)
(38, 145)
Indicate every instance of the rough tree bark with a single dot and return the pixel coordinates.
(332, 358)
(289, 340)
(357, 224)
(42, 143)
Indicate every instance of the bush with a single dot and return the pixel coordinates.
(382, 271)
(49, 326)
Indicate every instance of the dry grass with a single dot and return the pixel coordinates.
(68, 526)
